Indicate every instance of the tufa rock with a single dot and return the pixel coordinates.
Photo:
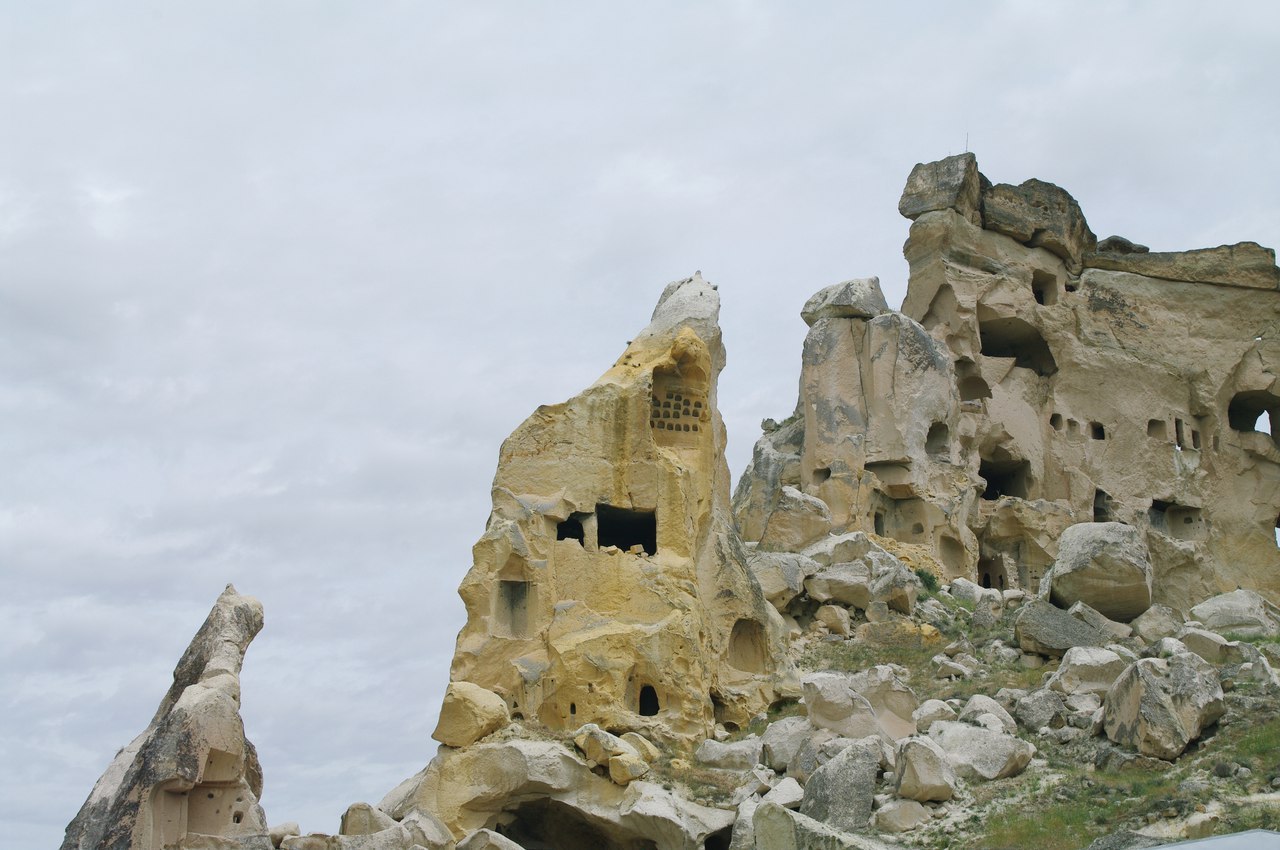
(1044, 629)
(1241, 612)
(979, 753)
(923, 771)
(1157, 706)
(948, 184)
(1040, 215)
(840, 792)
(469, 713)
(853, 299)
(1104, 565)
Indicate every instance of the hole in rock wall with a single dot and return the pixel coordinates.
(938, 441)
(1195, 439)
(511, 609)
(1073, 427)
(624, 528)
(1044, 286)
(747, 649)
(1278, 531)
(1005, 478)
(678, 410)
(1096, 431)
(1102, 507)
(878, 523)
(952, 553)
(1158, 428)
(571, 529)
(1016, 338)
(719, 840)
(648, 705)
(1178, 521)
(1055, 421)
(573, 708)
(1255, 410)
(973, 388)
(991, 573)
(550, 825)
(821, 474)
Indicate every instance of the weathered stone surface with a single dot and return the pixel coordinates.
(191, 773)
(923, 771)
(468, 714)
(797, 520)
(835, 618)
(1104, 565)
(782, 740)
(853, 299)
(781, 829)
(1211, 646)
(1039, 709)
(1087, 670)
(1242, 264)
(781, 575)
(932, 710)
(1158, 621)
(1044, 629)
(788, 793)
(979, 753)
(1158, 705)
(948, 184)
(487, 839)
(738, 755)
(840, 792)
(1089, 616)
(900, 816)
(848, 583)
(1241, 612)
(364, 819)
(980, 704)
(874, 702)
(627, 767)
(1120, 245)
(599, 746)
(1042, 215)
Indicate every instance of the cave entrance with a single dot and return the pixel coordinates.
(550, 825)
(649, 706)
(992, 574)
(747, 650)
(1005, 477)
(1017, 338)
(625, 528)
(1253, 411)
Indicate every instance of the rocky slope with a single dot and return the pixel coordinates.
(1005, 579)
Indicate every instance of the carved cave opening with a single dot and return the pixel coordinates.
(1016, 338)
(991, 573)
(1158, 429)
(1102, 506)
(550, 825)
(1044, 287)
(572, 529)
(748, 651)
(1005, 477)
(625, 528)
(952, 552)
(937, 443)
(969, 383)
(1055, 421)
(1181, 522)
(511, 609)
(679, 410)
(1097, 431)
(648, 702)
(1255, 410)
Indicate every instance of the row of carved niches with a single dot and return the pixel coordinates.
(679, 411)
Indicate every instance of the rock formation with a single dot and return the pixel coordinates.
(1034, 380)
(191, 779)
(1047, 461)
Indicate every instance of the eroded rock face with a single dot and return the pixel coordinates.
(1035, 381)
(1157, 706)
(191, 777)
(1106, 566)
(610, 586)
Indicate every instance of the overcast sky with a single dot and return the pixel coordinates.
(277, 278)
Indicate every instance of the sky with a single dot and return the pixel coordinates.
(276, 280)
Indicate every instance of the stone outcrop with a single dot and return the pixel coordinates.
(191, 779)
(1106, 566)
(610, 586)
(1157, 706)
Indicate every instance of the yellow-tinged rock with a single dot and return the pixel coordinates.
(469, 713)
(626, 767)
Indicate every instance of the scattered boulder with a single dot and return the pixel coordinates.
(787, 793)
(781, 575)
(848, 583)
(840, 792)
(1087, 669)
(1085, 614)
(930, 711)
(1040, 709)
(1157, 622)
(1241, 612)
(781, 829)
(796, 521)
(599, 746)
(1157, 706)
(835, 618)
(854, 299)
(979, 753)
(834, 704)
(980, 704)
(782, 740)
(900, 816)
(364, 819)
(737, 755)
(469, 713)
(1042, 628)
(1105, 565)
(923, 771)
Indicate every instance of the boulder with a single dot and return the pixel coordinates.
(1158, 621)
(834, 618)
(599, 746)
(1105, 565)
(1041, 215)
(1044, 629)
(1157, 706)
(627, 767)
(848, 583)
(782, 739)
(782, 829)
(980, 704)
(781, 575)
(796, 521)
(787, 793)
(642, 745)
(1241, 612)
(900, 816)
(1211, 646)
(932, 710)
(923, 771)
(1087, 669)
(894, 584)
(1039, 709)
(840, 792)
(737, 755)
(191, 776)
(1085, 614)
(948, 184)
(469, 713)
(979, 753)
(854, 299)
(893, 703)
(833, 704)
(743, 836)
(364, 819)
(487, 839)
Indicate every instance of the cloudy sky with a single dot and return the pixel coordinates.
(276, 279)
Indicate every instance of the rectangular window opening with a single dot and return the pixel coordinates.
(627, 528)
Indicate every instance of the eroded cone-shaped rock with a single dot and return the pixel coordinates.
(923, 772)
(192, 773)
(610, 586)
(1104, 565)
(468, 714)
(1160, 705)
